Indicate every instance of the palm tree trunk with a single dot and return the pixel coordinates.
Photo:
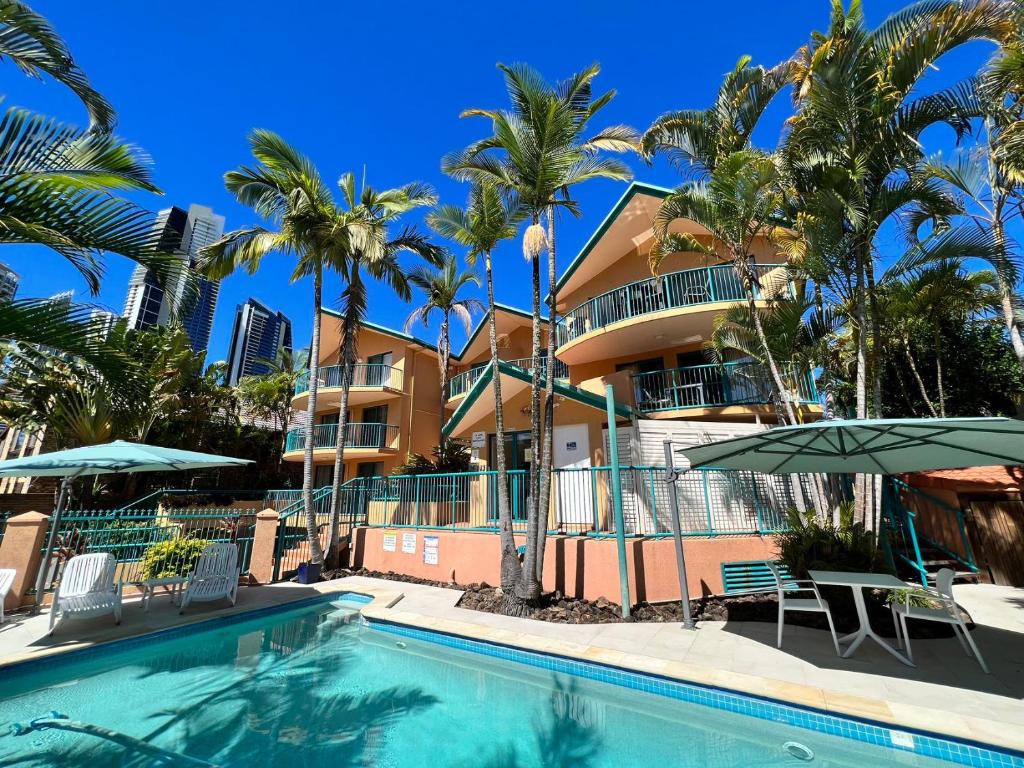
(1005, 289)
(937, 334)
(861, 485)
(316, 552)
(547, 458)
(348, 331)
(442, 363)
(876, 339)
(917, 376)
(510, 568)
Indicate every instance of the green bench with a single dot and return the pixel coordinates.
(751, 576)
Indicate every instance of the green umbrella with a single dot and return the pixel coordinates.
(869, 446)
(106, 459)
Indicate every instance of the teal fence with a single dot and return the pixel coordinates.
(357, 435)
(461, 383)
(4, 517)
(363, 375)
(291, 546)
(197, 498)
(697, 386)
(128, 535)
(712, 502)
(703, 285)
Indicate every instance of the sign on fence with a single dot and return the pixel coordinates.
(409, 543)
(430, 545)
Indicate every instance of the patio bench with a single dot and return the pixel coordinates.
(750, 576)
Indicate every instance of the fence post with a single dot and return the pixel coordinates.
(264, 541)
(21, 549)
(620, 524)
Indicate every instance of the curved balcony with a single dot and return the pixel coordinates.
(460, 384)
(652, 308)
(369, 381)
(716, 386)
(361, 436)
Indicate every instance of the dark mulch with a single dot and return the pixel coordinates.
(556, 608)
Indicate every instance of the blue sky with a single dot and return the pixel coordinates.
(359, 85)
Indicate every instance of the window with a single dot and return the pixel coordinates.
(686, 359)
(378, 369)
(370, 469)
(642, 366)
(323, 476)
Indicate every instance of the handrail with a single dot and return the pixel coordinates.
(710, 385)
(358, 435)
(968, 561)
(701, 285)
(461, 383)
(363, 375)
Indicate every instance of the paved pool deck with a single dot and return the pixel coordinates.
(946, 693)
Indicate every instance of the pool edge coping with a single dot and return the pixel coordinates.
(879, 712)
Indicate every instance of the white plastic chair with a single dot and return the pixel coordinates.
(947, 613)
(87, 589)
(815, 604)
(6, 580)
(215, 576)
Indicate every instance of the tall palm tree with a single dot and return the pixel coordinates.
(286, 189)
(535, 155)
(441, 288)
(376, 254)
(486, 221)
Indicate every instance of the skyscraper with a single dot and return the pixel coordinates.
(8, 282)
(258, 334)
(149, 304)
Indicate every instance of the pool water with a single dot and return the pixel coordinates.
(310, 686)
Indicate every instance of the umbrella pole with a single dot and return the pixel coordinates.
(58, 511)
(671, 475)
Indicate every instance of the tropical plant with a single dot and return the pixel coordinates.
(808, 543)
(370, 215)
(269, 395)
(536, 154)
(451, 456)
(441, 288)
(286, 189)
(174, 557)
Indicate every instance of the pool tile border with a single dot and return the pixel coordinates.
(919, 742)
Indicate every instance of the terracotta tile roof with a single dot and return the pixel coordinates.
(989, 478)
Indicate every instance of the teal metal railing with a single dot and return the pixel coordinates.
(129, 535)
(712, 502)
(363, 375)
(919, 522)
(697, 386)
(703, 285)
(357, 435)
(461, 383)
(292, 544)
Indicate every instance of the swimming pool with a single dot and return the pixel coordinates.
(312, 685)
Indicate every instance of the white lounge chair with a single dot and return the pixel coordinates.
(87, 589)
(815, 604)
(947, 613)
(6, 580)
(215, 576)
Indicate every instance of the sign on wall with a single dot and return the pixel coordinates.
(390, 540)
(430, 546)
(479, 440)
(409, 543)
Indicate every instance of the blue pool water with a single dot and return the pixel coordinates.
(310, 686)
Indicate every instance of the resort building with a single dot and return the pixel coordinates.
(394, 402)
(259, 335)
(149, 304)
(9, 280)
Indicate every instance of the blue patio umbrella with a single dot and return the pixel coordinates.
(109, 458)
(869, 446)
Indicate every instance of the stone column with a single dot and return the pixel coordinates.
(261, 563)
(21, 549)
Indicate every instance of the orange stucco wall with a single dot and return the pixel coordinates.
(577, 566)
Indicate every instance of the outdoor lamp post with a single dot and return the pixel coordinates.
(671, 475)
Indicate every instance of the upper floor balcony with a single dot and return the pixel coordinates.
(460, 384)
(364, 437)
(370, 381)
(647, 314)
(717, 386)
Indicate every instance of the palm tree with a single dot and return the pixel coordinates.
(286, 189)
(486, 221)
(441, 289)
(370, 213)
(536, 154)
(269, 395)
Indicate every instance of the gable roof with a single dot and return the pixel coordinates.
(387, 331)
(482, 323)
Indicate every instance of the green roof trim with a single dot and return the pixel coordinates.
(483, 322)
(388, 331)
(635, 188)
(565, 390)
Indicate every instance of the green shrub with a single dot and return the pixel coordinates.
(174, 557)
(809, 544)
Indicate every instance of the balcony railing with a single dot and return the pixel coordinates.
(357, 435)
(701, 386)
(704, 285)
(363, 375)
(463, 382)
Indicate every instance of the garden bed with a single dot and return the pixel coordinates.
(763, 606)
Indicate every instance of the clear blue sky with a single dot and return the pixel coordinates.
(359, 85)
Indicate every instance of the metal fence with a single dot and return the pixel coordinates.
(363, 375)
(4, 517)
(146, 542)
(712, 502)
(357, 435)
(697, 386)
(461, 383)
(292, 544)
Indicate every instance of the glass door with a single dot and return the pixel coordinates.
(518, 457)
